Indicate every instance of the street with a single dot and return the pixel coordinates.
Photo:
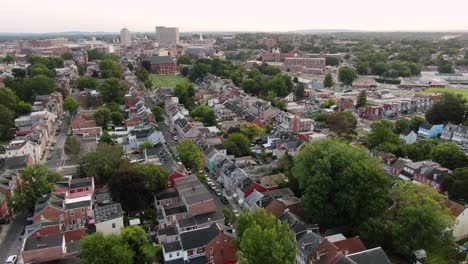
(10, 243)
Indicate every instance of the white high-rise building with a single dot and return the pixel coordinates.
(167, 35)
(125, 38)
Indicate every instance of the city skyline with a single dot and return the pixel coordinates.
(209, 15)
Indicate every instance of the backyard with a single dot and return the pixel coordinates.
(167, 81)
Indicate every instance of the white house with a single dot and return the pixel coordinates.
(142, 134)
(408, 137)
(460, 228)
(172, 251)
(108, 219)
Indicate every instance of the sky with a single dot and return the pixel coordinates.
(39, 16)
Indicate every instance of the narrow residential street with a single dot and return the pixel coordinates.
(56, 162)
(10, 242)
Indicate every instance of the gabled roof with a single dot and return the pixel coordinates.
(370, 256)
(172, 246)
(43, 242)
(160, 60)
(198, 237)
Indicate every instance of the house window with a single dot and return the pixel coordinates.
(82, 210)
(72, 213)
(113, 225)
(225, 238)
(190, 252)
(61, 218)
(211, 259)
(178, 253)
(79, 221)
(211, 251)
(170, 255)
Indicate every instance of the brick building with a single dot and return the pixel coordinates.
(162, 65)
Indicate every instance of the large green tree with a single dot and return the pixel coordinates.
(342, 123)
(190, 155)
(341, 184)
(300, 91)
(237, 144)
(457, 184)
(8, 98)
(102, 116)
(449, 155)
(450, 109)
(382, 137)
(7, 124)
(102, 164)
(361, 99)
(251, 130)
(87, 82)
(417, 219)
(420, 150)
(112, 90)
(158, 113)
(347, 75)
(262, 239)
(72, 147)
(198, 71)
(110, 69)
(70, 104)
(402, 125)
(35, 181)
(204, 114)
(328, 81)
(41, 69)
(135, 238)
(100, 249)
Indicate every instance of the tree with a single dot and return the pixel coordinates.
(7, 117)
(142, 75)
(37, 85)
(342, 123)
(129, 188)
(450, 109)
(144, 145)
(106, 138)
(300, 91)
(72, 147)
(457, 184)
(8, 98)
(420, 150)
(112, 90)
(110, 69)
(67, 56)
(281, 84)
(341, 185)
(18, 73)
(102, 116)
(181, 91)
(41, 69)
(295, 80)
(8, 59)
(97, 248)
(415, 122)
(190, 155)
(23, 108)
(204, 114)
(362, 68)
(285, 47)
(158, 113)
(102, 164)
(382, 137)
(402, 125)
(446, 66)
(155, 176)
(113, 107)
(135, 238)
(250, 86)
(263, 239)
(87, 82)
(329, 103)
(184, 60)
(36, 180)
(449, 155)
(347, 75)
(332, 61)
(328, 81)
(362, 99)
(238, 144)
(418, 219)
(70, 104)
(251, 130)
(198, 71)
(117, 118)
(379, 68)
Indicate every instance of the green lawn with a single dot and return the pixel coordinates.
(450, 90)
(167, 81)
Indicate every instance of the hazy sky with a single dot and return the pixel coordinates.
(251, 15)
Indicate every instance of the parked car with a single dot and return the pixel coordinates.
(224, 200)
(11, 259)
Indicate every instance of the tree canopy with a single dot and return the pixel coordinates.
(237, 144)
(450, 109)
(262, 239)
(110, 69)
(36, 181)
(190, 155)
(347, 75)
(328, 81)
(87, 82)
(72, 147)
(251, 130)
(342, 123)
(102, 116)
(112, 90)
(341, 185)
(382, 137)
(457, 184)
(204, 114)
(100, 249)
(70, 104)
(102, 164)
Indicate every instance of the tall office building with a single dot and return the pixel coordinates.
(167, 35)
(125, 38)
